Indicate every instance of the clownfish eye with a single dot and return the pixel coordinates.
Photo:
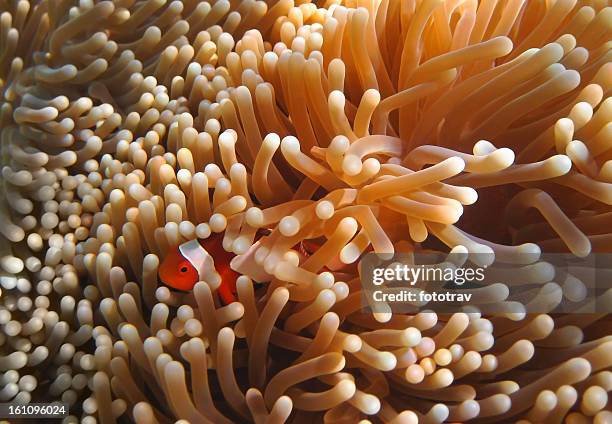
(183, 269)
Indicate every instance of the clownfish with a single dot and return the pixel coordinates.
(202, 260)
(196, 260)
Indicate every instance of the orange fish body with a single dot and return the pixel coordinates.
(177, 272)
(197, 260)
(194, 261)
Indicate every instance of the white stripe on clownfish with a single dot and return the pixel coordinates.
(201, 260)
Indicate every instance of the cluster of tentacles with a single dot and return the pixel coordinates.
(131, 126)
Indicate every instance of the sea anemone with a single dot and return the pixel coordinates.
(386, 126)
